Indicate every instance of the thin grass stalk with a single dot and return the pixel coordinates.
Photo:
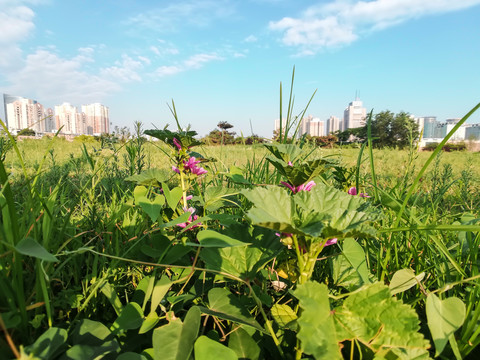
(370, 149)
(427, 163)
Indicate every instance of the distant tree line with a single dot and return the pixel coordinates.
(388, 130)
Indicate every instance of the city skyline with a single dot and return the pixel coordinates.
(24, 113)
(223, 60)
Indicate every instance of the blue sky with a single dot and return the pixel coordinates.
(223, 60)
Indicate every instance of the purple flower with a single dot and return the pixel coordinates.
(174, 168)
(303, 187)
(177, 144)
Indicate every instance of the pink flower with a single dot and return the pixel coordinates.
(174, 168)
(290, 163)
(191, 165)
(303, 187)
(191, 218)
(353, 191)
(177, 144)
(331, 242)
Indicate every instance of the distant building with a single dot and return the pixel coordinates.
(354, 115)
(333, 124)
(472, 132)
(312, 126)
(96, 119)
(22, 113)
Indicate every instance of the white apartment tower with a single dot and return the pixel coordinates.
(22, 113)
(354, 115)
(66, 118)
(333, 124)
(96, 119)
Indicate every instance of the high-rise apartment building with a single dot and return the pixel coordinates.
(354, 115)
(97, 119)
(333, 124)
(22, 113)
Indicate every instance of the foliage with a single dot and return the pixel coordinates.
(26, 132)
(277, 257)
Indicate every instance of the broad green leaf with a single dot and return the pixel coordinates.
(109, 291)
(92, 340)
(82, 352)
(48, 343)
(31, 247)
(355, 255)
(152, 207)
(159, 291)
(206, 349)
(284, 316)
(285, 152)
(149, 323)
(131, 356)
(150, 177)
(172, 196)
(224, 305)
(216, 197)
(302, 173)
(175, 340)
(165, 340)
(273, 208)
(403, 280)
(244, 261)
(390, 328)
(317, 330)
(130, 318)
(211, 238)
(243, 344)
(444, 318)
(189, 333)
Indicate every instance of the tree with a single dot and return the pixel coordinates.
(224, 126)
(26, 132)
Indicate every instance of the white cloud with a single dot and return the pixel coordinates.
(194, 62)
(48, 77)
(197, 13)
(343, 21)
(16, 24)
(250, 39)
(126, 70)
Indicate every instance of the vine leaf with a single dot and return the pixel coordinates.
(444, 318)
(403, 280)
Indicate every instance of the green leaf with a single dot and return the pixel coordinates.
(149, 323)
(131, 356)
(284, 316)
(130, 318)
(30, 247)
(317, 330)
(224, 305)
(179, 220)
(444, 318)
(243, 344)
(206, 348)
(389, 327)
(273, 208)
(153, 207)
(48, 343)
(175, 341)
(109, 291)
(244, 261)
(172, 196)
(216, 197)
(165, 340)
(210, 238)
(150, 177)
(403, 280)
(159, 291)
(92, 340)
(355, 255)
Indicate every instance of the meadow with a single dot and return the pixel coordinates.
(169, 249)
